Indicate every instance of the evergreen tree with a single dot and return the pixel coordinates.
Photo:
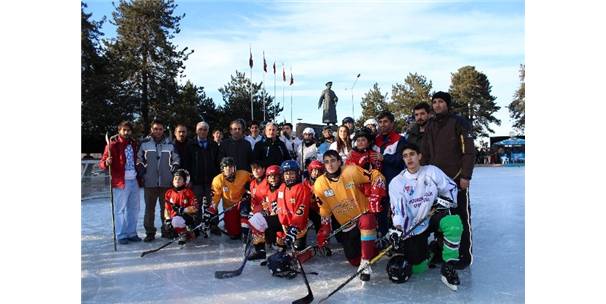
(99, 113)
(517, 108)
(236, 99)
(470, 92)
(373, 103)
(145, 63)
(414, 90)
(192, 106)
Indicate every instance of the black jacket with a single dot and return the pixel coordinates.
(239, 149)
(202, 164)
(270, 152)
(448, 145)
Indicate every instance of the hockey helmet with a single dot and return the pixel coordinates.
(280, 265)
(273, 170)
(184, 174)
(227, 162)
(364, 132)
(315, 164)
(289, 165)
(398, 269)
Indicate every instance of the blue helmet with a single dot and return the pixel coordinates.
(289, 165)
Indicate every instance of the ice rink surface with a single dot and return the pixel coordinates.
(186, 275)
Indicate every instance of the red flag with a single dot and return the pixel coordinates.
(274, 68)
(264, 63)
(283, 74)
(292, 80)
(250, 61)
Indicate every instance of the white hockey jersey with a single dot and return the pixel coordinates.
(412, 195)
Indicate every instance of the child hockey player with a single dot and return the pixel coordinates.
(231, 187)
(264, 205)
(346, 192)
(413, 193)
(181, 208)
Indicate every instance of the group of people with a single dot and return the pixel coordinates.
(381, 189)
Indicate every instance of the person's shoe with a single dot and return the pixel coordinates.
(449, 276)
(149, 237)
(182, 239)
(259, 253)
(123, 241)
(135, 238)
(235, 237)
(365, 275)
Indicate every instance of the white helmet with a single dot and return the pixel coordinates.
(309, 131)
(371, 121)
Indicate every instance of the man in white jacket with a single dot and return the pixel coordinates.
(413, 194)
(308, 150)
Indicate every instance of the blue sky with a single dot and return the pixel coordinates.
(336, 40)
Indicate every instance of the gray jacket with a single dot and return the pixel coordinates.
(159, 160)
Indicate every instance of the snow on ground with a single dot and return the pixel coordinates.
(175, 275)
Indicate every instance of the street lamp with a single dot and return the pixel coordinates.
(352, 96)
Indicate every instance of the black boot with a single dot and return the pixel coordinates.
(149, 237)
(259, 253)
(182, 238)
(449, 276)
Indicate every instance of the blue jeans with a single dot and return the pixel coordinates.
(126, 209)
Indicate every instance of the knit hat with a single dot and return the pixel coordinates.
(444, 96)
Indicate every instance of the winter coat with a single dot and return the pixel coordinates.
(415, 136)
(160, 161)
(448, 145)
(328, 101)
(203, 164)
(271, 152)
(391, 146)
(117, 148)
(238, 149)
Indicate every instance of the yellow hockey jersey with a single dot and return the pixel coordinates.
(231, 192)
(345, 197)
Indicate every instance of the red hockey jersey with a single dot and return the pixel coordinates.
(293, 207)
(183, 198)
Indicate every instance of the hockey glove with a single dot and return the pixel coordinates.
(394, 235)
(274, 207)
(208, 214)
(291, 236)
(179, 210)
(443, 203)
(377, 192)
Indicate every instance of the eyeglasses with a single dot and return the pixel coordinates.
(330, 161)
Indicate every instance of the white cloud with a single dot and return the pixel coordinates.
(336, 41)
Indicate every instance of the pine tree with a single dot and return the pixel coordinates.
(193, 106)
(517, 108)
(405, 96)
(145, 62)
(373, 103)
(100, 113)
(470, 92)
(236, 98)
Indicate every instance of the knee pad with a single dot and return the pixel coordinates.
(258, 222)
(178, 222)
(452, 228)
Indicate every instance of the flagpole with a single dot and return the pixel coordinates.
(274, 81)
(291, 121)
(264, 71)
(251, 81)
(283, 81)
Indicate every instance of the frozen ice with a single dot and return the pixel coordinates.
(174, 275)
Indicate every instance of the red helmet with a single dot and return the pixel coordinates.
(273, 170)
(315, 164)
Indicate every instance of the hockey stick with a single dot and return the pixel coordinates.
(335, 232)
(234, 273)
(378, 256)
(195, 228)
(111, 192)
(310, 296)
